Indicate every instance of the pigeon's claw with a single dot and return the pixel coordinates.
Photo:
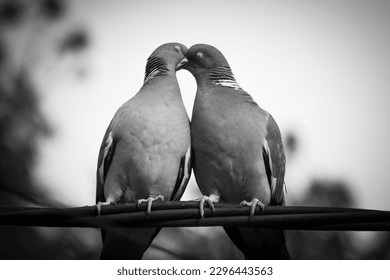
(100, 204)
(253, 205)
(208, 200)
(150, 202)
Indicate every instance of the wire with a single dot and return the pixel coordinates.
(186, 214)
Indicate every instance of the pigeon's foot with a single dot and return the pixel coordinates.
(100, 204)
(207, 200)
(255, 202)
(150, 202)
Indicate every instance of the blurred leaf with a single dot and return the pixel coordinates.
(291, 142)
(328, 193)
(11, 11)
(52, 9)
(76, 41)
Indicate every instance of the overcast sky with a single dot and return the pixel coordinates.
(321, 68)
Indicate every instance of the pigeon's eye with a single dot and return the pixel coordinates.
(178, 49)
(199, 55)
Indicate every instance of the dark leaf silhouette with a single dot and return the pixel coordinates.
(76, 41)
(52, 9)
(291, 142)
(11, 12)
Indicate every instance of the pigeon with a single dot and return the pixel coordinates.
(145, 154)
(237, 152)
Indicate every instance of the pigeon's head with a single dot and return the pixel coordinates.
(202, 58)
(171, 53)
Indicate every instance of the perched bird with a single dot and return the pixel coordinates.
(145, 153)
(238, 152)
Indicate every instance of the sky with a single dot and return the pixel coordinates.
(321, 68)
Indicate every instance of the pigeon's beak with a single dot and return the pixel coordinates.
(182, 64)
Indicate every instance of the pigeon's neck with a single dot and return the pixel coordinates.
(223, 76)
(155, 66)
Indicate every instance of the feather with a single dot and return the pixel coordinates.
(223, 76)
(155, 66)
(183, 176)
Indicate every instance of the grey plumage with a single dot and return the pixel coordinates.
(145, 153)
(237, 150)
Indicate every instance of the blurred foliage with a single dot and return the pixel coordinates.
(333, 245)
(75, 41)
(15, 12)
(323, 244)
(291, 143)
(52, 9)
(11, 12)
(22, 126)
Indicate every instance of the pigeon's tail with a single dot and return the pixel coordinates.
(259, 244)
(127, 243)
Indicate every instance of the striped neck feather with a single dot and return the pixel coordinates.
(155, 66)
(223, 76)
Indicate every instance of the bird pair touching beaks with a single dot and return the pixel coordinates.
(233, 146)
